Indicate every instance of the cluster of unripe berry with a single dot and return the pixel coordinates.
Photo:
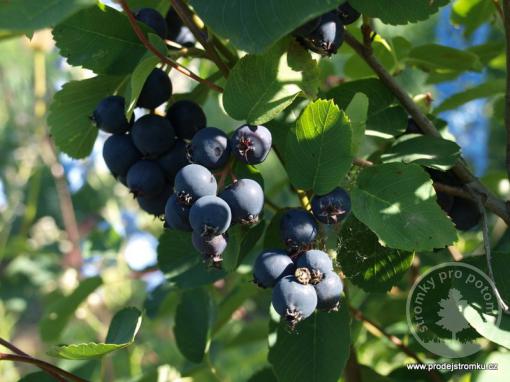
(325, 34)
(303, 278)
(166, 163)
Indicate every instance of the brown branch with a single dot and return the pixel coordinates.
(352, 369)
(379, 331)
(506, 24)
(499, 9)
(186, 16)
(491, 201)
(141, 36)
(42, 365)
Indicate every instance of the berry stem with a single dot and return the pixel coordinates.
(303, 199)
(141, 36)
(223, 174)
(506, 23)
(201, 35)
(491, 201)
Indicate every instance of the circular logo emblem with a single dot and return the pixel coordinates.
(439, 306)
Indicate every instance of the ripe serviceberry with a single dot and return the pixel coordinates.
(270, 266)
(187, 117)
(251, 144)
(293, 300)
(119, 154)
(156, 90)
(347, 13)
(192, 182)
(176, 215)
(177, 31)
(174, 160)
(245, 198)
(329, 291)
(153, 135)
(155, 205)
(209, 147)
(145, 178)
(298, 229)
(153, 19)
(109, 115)
(210, 216)
(317, 262)
(327, 37)
(332, 207)
(211, 247)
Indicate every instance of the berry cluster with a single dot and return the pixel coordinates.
(325, 34)
(303, 278)
(166, 161)
(464, 213)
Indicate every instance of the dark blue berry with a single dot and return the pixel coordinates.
(176, 215)
(245, 198)
(210, 147)
(465, 214)
(120, 154)
(109, 115)
(293, 300)
(153, 19)
(156, 90)
(177, 31)
(155, 205)
(193, 182)
(298, 229)
(210, 216)
(210, 247)
(327, 37)
(333, 207)
(174, 160)
(412, 127)
(329, 291)
(251, 144)
(317, 262)
(348, 14)
(187, 117)
(145, 178)
(270, 266)
(153, 135)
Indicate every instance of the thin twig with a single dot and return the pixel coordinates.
(487, 247)
(186, 16)
(141, 36)
(42, 365)
(492, 202)
(379, 331)
(352, 369)
(506, 24)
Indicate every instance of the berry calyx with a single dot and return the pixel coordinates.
(251, 144)
(332, 207)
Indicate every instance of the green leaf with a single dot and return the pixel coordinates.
(367, 263)
(192, 324)
(258, 87)
(398, 203)
(176, 253)
(264, 375)
(141, 72)
(398, 12)
(233, 251)
(29, 15)
(123, 329)
(318, 150)
(471, 14)
(58, 314)
(357, 112)
(38, 376)
(300, 59)
(485, 323)
(102, 41)
(488, 89)
(317, 352)
(272, 237)
(254, 27)
(70, 111)
(425, 150)
(383, 119)
(434, 57)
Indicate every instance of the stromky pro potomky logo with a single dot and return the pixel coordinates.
(441, 304)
